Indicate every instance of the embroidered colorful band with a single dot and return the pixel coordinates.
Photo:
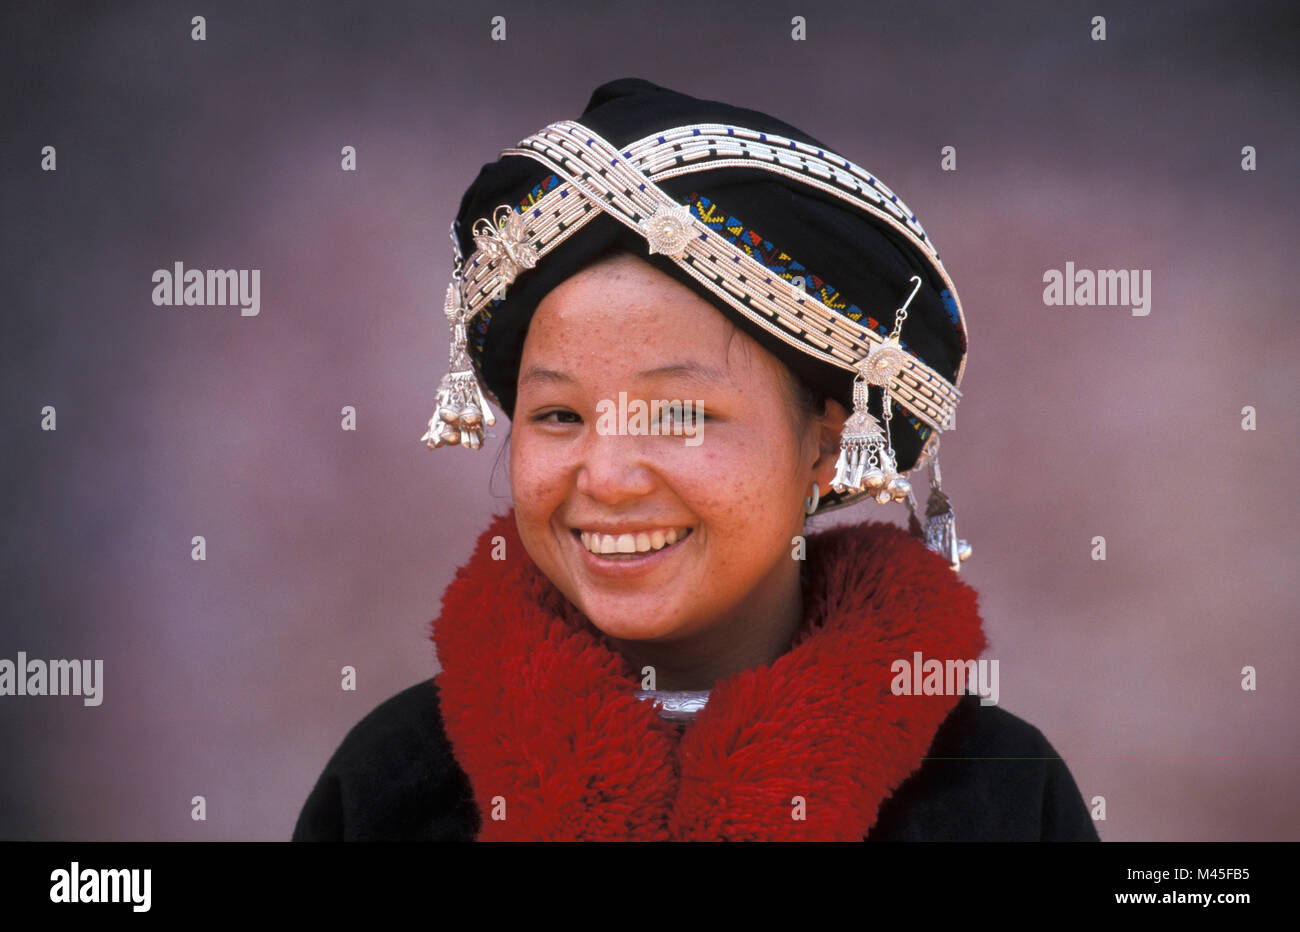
(599, 178)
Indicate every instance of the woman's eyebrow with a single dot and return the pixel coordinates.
(692, 371)
(541, 374)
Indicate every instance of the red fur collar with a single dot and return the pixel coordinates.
(541, 715)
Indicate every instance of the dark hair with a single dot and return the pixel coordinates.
(807, 403)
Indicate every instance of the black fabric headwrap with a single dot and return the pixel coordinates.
(867, 262)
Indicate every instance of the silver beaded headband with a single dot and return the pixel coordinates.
(598, 176)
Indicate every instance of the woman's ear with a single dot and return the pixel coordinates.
(829, 428)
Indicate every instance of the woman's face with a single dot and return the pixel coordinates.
(732, 494)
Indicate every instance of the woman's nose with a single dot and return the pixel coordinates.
(613, 468)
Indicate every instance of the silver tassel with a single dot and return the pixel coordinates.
(865, 463)
(866, 460)
(941, 525)
(463, 409)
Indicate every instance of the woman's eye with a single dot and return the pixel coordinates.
(684, 418)
(559, 417)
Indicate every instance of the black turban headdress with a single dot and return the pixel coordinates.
(760, 187)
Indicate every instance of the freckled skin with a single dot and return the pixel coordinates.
(728, 599)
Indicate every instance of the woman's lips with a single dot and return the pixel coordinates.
(627, 564)
(633, 542)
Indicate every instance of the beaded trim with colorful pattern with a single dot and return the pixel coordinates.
(622, 184)
(753, 243)
(757, 247)
(479, 324)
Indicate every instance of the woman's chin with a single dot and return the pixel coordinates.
(634, 626)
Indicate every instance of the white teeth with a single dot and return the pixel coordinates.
(641, 542)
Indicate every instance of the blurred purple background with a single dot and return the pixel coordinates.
(327, 548)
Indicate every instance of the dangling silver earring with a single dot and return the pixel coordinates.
(462, 408)
(864, 452)
(810, 504)
(867, 461)
(941, 525)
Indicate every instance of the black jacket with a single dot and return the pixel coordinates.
(989, 776)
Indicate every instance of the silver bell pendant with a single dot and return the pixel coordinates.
(864, 464)
(941, 526)
(463, 409)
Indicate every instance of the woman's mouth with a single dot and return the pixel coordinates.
(632, 545)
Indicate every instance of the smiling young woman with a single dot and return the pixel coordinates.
(648, 645)
(724, 596)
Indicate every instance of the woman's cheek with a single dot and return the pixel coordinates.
(535, 477)
(722, 479)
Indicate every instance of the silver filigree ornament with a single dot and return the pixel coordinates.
(669, 229)
(504, 242)
(865, 463)
(884, 363)
(462, 414)
(463, 410)
(451, 303)
(941, 525)
(680, 705)
(881, 368)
